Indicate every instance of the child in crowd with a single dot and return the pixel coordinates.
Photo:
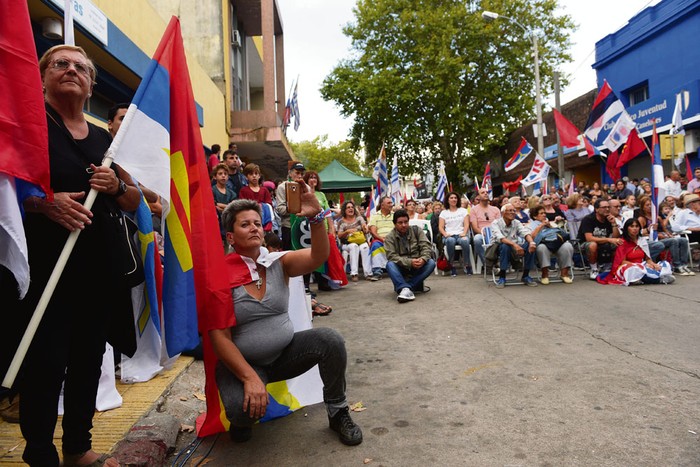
(223, 194)
(254, 190)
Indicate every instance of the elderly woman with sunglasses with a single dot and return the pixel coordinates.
(90, 298)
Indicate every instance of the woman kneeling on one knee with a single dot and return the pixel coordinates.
(263, 347)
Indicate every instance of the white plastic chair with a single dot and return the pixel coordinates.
(427, 229)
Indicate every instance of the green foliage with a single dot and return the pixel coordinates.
(435, 82)
(318, 153)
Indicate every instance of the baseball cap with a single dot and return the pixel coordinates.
(297, 166)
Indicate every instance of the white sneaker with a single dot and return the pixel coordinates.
(689, 272)
(594, 274)
(405, 295)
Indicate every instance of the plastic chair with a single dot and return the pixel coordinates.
(428, 231)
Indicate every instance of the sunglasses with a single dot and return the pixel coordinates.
(62, 64)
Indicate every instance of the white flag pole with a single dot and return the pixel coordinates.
(68, 31)
(49, 290)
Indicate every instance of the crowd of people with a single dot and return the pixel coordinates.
(540, 232)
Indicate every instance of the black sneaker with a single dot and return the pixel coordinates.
(240, 434)
(348, 432)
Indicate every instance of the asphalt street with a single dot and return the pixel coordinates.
(467, 374)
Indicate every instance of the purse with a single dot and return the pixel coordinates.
(358, 238)
(443, 264)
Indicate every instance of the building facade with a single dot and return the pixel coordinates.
(239, 94)
(647, 63)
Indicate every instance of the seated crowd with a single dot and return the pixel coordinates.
(549, 232)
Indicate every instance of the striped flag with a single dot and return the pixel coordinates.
(24, 146)
(658, 193)
(486, 181)
(295, 106)
(606, 109)
(162, 130)
(442, 183)
(520, 155)
(380, 174)
(395, 184)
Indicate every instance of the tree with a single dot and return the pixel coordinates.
(318, 153)
(435, 82)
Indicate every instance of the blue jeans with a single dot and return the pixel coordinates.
(450, 243)
(322, 346)
(415, 278)
(479, 249)
(504, 255)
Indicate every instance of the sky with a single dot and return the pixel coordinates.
(314, 44)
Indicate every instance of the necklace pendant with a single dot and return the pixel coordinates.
(258, 283)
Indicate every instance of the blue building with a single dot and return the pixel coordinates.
(648, 63)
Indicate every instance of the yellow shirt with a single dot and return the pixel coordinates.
(384, 224)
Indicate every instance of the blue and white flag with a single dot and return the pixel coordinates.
(380, 174)
(295, 106)
(395, 184)
(442, 183)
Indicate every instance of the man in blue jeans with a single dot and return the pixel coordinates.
(408, 254)
(513, 239)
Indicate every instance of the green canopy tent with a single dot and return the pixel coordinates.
(337, 178)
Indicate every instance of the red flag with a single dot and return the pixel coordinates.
(23, 135)
(24, 143)
(633, 148)
(611, 166)
(341, 199)
(568, 133)
(512, 186)
(190, 191)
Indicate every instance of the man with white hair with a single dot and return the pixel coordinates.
(513, 238)
(688, 219)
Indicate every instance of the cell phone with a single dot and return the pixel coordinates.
(293, 190)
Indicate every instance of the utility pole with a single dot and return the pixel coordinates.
(560, 150)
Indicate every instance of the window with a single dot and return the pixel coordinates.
(638, 94)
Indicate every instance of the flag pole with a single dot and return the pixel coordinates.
(49, 290)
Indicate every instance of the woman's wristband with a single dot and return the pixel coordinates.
(320, 217)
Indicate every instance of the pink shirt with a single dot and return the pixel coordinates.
(484, 217)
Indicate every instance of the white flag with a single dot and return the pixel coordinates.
(620, 132)
(538, 172)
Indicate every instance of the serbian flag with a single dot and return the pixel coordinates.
(658, 193)
(606, 108)
(160, 144)
(512, 186)
(520, 155)
(24, 144)
(634, 147)
(486, 181)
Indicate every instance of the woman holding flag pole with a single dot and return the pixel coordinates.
(89, 297)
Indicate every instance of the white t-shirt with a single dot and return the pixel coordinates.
(672, 188)
(454, 220)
